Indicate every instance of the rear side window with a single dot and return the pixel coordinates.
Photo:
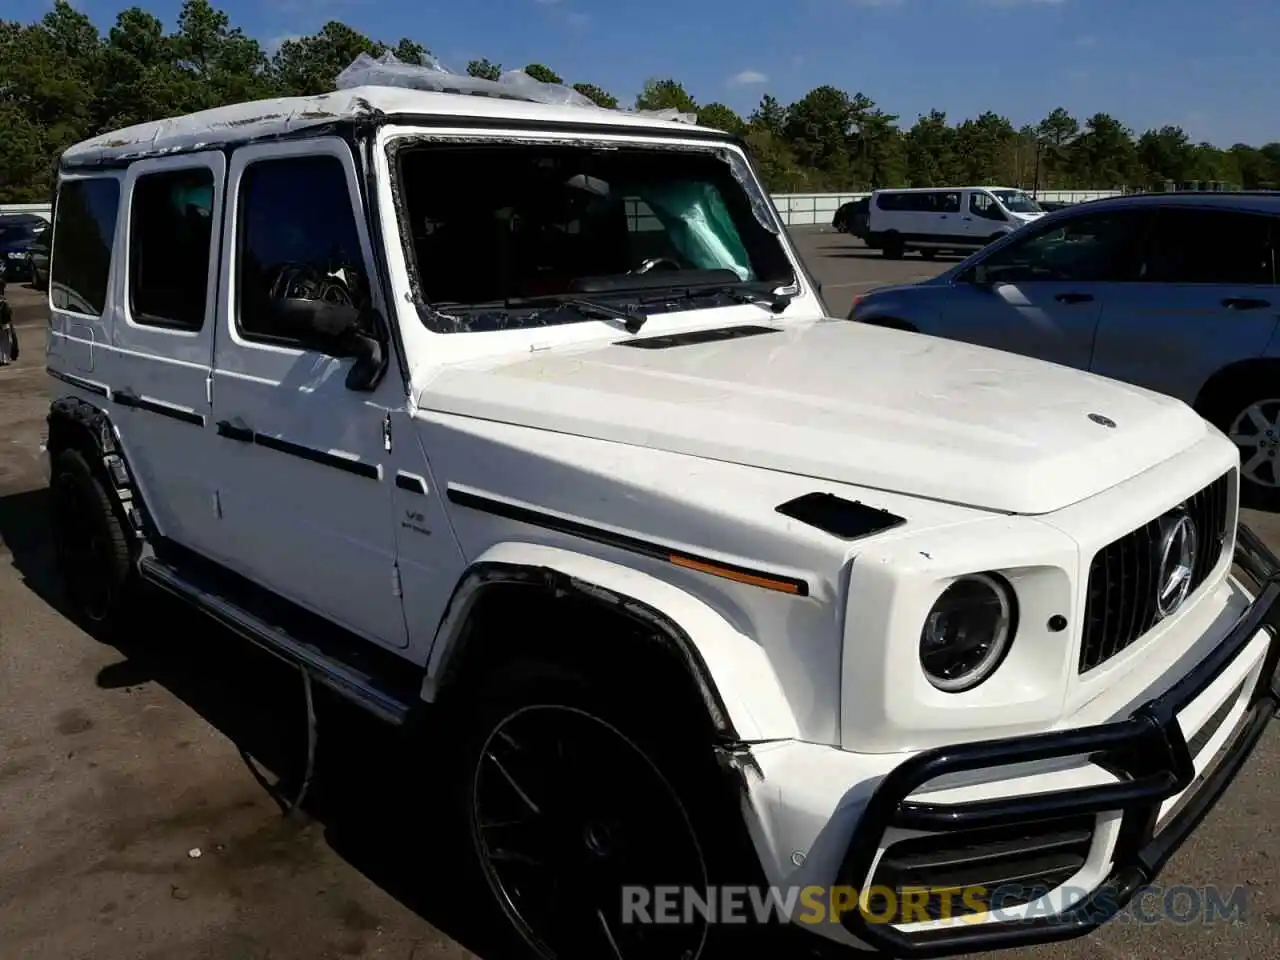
(170, 234)
(1211, 247)
(84, 229)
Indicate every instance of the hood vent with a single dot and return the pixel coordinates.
(695, 337)
(846, 519)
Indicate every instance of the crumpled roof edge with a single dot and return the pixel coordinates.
(389, 70)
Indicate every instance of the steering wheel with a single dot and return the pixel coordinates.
(303, 281)
(653, 262)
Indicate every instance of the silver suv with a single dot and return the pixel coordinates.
(1173, 292)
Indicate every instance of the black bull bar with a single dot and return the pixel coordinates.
(1147, 750)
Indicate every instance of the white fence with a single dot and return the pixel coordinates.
(799, 209)
(796, 209)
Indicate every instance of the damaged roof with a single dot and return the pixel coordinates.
(263, 119)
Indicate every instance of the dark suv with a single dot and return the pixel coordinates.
(17, 232)
(1174, 292)
(851, 218)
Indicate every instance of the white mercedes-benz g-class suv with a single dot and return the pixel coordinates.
(527, 418)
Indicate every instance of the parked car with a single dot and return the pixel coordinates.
(38, 257)
(946, 219)
(851, 218)
(9, 348)
(17, 232)
(700, 586)
(1174, 292)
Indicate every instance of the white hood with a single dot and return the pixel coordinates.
(850, 403)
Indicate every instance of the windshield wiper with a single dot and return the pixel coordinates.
(776, 302)
(632, 317)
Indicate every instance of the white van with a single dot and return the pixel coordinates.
(961, 219)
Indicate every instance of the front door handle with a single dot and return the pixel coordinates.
(235, 430)
(1244, 303)
(1074, 297)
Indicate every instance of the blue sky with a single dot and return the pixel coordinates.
(1208, 67)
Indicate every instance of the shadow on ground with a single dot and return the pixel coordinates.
(365, 770)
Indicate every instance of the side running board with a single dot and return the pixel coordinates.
(352, 684)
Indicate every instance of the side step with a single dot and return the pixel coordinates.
(387, 701)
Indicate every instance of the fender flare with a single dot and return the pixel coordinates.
(736, 682)
(76, 423)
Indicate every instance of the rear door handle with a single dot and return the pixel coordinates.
(1074, 297)
(1244, 303)
(235, 430)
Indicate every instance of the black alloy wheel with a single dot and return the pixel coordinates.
(567, 814)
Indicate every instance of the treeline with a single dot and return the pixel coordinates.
(62, 80)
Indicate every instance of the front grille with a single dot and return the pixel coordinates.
(1121, 603)
(971, 872)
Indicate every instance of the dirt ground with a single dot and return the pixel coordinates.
(118, 763)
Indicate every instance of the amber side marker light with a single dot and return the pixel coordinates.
(795, 588)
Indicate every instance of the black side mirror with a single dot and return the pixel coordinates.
(339, 330)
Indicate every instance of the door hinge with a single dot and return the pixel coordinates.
(386, 431)
(395, 580)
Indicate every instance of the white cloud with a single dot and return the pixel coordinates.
(747, 77)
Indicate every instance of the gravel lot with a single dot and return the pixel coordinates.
(117, 763)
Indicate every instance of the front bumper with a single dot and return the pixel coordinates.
(1147, 753)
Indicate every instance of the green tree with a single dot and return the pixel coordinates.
(1054, 135)
(930, 151)
(311, 64)
(484, 70)
(722, 118)
(542, 73)
(1166, 154)
(770, 115)
(1104, 155)
(597, 96)
(665, 95)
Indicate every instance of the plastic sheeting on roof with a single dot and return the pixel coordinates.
(389, 71)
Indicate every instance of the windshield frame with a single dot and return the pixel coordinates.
(393, 140)
(1003, 196)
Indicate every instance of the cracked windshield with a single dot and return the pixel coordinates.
(527, 232)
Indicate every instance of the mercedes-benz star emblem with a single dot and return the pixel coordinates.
(1101, 420)
(1179, 545)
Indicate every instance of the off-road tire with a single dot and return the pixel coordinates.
(92, 545)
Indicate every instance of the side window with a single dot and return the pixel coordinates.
(296, 238)
(1210, 246)
(84, 229)
(949, 203)
(1098, 248)
(983, 206)
(170, 233)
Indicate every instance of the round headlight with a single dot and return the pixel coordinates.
(967, 633)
